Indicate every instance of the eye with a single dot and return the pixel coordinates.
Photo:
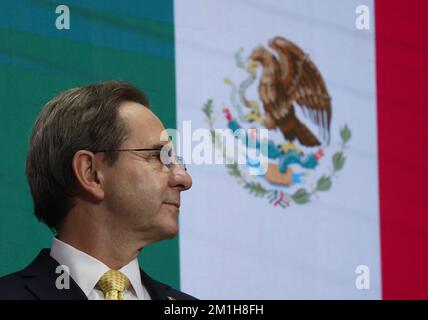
(155, 156)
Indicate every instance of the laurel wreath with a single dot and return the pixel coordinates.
(300, 196)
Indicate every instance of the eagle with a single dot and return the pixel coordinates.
(290, 79)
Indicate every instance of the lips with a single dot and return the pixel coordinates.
(175, 204)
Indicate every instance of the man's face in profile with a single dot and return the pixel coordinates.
(142, 193)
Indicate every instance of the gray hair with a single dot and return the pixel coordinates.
(84, 118)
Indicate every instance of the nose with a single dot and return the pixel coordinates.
(180, 179)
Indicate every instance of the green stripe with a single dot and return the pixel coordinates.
(33, 68)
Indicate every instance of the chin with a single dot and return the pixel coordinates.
(171, 236)
(169, 225)
(168, 230)
(172, 232)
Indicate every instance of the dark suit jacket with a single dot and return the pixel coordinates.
(37, 282)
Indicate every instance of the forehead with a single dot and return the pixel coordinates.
(144, 126)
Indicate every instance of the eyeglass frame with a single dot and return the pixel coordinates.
(178, 159)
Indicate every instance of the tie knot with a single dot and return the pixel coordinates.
(113, 284)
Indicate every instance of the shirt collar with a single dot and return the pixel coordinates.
(86, 270)
(132, 271)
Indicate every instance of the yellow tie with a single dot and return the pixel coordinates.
(113, 284)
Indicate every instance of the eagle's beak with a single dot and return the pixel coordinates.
(252, 66)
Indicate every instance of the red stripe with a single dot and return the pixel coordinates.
(402, 89)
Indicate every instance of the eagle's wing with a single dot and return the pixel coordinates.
(273, 102)
(303, 83)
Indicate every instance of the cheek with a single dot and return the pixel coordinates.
(146, 188)
(138, 189)
(121, 188)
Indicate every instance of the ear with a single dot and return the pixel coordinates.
(88, 176)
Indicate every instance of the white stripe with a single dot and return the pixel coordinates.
(234, 245)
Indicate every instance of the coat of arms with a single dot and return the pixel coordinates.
(288, 80)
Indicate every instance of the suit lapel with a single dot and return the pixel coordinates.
(40, 278)
(156, 290)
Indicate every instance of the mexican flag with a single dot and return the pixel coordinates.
(329, 204)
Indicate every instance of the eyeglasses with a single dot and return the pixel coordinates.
(168, 158)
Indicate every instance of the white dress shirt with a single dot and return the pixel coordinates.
(85, 270)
